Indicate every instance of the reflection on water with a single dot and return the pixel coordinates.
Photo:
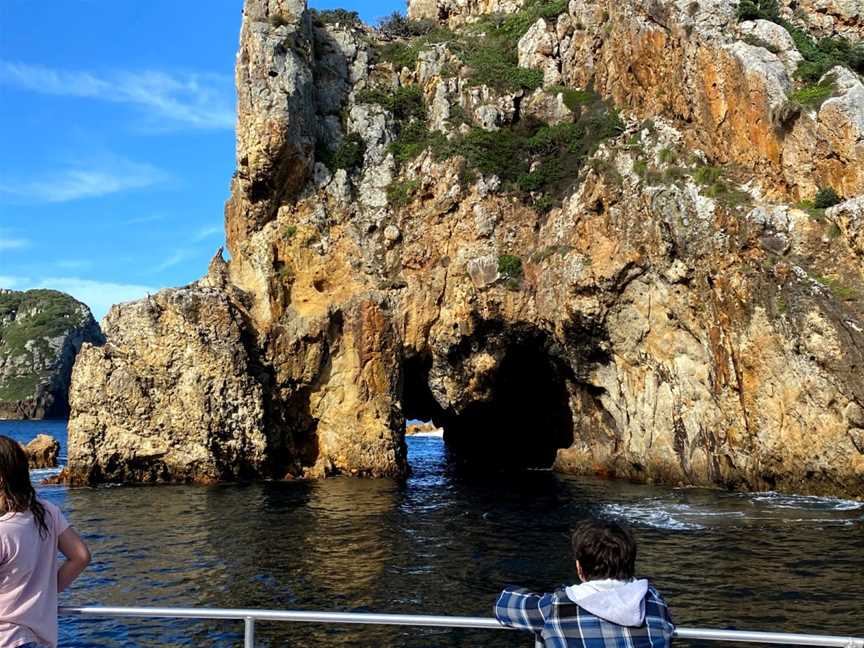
(444, 542)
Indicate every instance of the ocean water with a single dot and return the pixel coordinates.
(445, 542)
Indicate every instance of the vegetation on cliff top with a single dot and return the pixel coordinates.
(820, 55)
(534, 160)
(35, 317)
(488, 47)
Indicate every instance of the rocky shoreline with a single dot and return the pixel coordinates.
(603, 248)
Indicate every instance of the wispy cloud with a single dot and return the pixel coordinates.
(177, 258)
(83, 180)
(10, 242)
(98, 295)
(207, 232)
(152, 218)
(193, 100)
(73, 264)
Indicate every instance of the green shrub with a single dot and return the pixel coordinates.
(333, 16)
(401, 193)
(836, 286)
(826, 197)
(728, 196)
(280, 20)
(398, 25)
(491, 47)
(758, 9)
(814, 95)
(675, 173)
(640, 167)
(816, 213)
(405, 102)
(822, 55)
(492, 152)
(707, 175)
(492, 66)
(509, 28)
(413, 139)
(289, 232)
(348, 155)
(402, 54)
(667, 156)
(510, 266)
(573, 98)
(713, 185)
(607, 170)
(458, 116)
(819, 56)
(538, 162)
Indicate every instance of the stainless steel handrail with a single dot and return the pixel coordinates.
(249, 617)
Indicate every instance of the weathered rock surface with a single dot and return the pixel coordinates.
(830, 17)
(172, 395)
(422, 428)
(41, 332)
(665, 320)
(42, 452)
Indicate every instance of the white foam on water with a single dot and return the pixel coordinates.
(651, 514)
(670, 513)
(804, 502)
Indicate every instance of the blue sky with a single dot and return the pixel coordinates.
(117, 141)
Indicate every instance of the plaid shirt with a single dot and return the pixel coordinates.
(561, 623)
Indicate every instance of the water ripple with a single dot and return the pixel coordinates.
(444, 542)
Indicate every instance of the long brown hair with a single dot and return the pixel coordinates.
(17, 494)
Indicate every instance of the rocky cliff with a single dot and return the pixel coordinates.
(41, 332)
(620, 238)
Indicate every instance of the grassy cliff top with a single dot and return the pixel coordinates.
(37, 314)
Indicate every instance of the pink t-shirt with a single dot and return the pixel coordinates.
(28, 578)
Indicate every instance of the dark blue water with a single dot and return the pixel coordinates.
(444, 542)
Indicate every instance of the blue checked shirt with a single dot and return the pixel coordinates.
(561, 623)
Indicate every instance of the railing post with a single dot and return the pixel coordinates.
(249, 633)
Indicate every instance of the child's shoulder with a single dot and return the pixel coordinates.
(51, 509)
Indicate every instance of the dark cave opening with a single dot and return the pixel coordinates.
(523, 421)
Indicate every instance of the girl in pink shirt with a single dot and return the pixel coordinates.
(31, 532)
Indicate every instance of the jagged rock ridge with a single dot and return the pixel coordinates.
(418, 230)
(41, 332)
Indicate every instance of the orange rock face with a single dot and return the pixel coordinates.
(669, 317)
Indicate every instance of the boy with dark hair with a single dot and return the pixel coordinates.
(609, 608)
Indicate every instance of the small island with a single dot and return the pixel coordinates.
(41, 332)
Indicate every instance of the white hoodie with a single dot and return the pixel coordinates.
(621, 602)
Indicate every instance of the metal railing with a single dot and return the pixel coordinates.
(249, 617)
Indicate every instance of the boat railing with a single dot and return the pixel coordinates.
(250, 617)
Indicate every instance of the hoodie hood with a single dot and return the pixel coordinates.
(621, 602)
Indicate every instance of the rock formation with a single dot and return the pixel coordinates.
(41, 332)
(585, 235)
(421, 428)
(42, 452)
